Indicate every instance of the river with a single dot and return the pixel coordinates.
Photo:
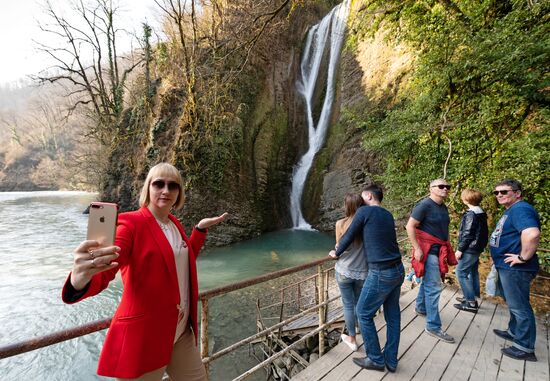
(38, 231)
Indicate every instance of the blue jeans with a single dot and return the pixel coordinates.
(522, 326)
(350, 289)
(468, 275)
(382, 287)
(427, 300)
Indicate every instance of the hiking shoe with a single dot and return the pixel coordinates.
(504, 334)
(440, 335)
(518, 354)
(467, 306)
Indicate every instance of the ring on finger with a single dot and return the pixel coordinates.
(93, 262)
(92, 254)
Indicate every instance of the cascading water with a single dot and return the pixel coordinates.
(328, 34)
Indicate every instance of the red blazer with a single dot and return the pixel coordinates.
(446, 254)
(141, 335)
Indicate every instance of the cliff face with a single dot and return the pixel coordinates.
(371, 78)
(255, 186)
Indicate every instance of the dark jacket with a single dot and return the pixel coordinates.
(474, 233)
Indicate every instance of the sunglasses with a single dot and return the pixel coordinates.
(503, 192)
(442, 186)
(160, 184)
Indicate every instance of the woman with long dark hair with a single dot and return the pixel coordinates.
(351, 269)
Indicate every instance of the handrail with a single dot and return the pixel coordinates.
(68, 334)
(260, 279)
(99, 325)
(267, 331)
(54, 338)
(207, 295)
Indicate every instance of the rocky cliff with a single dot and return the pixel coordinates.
(271, 136)
(373, 71)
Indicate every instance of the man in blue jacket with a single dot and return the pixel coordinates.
(385, 276)
(513, 249)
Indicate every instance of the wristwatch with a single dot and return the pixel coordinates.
(521, 259)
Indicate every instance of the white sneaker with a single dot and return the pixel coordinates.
(345, 339)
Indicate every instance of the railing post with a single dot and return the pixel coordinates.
(204, 331)
(321, 298)
(281, 312)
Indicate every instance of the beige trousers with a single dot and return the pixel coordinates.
(185, 364)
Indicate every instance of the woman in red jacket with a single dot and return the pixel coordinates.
(154, 329)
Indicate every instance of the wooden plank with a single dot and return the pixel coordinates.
(328, 362)
(420, 343)
(488, 361)
(311, 320)
(443, 354)
(351, 370)
(510, 369)
(539, 370)
(347, 369)
(341, 352)
(476, 356)
(460, 366)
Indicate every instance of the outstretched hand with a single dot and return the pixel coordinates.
(205, 223)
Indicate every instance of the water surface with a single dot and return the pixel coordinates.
(39, 230)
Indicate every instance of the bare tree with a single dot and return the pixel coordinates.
(88, 64)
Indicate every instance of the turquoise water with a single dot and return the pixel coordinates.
(270, 252)
(39, 230)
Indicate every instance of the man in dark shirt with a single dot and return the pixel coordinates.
(430, 218)
(384, 279)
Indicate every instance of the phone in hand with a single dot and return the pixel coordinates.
(102, 223)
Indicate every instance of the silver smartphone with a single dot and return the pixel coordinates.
(102, 223)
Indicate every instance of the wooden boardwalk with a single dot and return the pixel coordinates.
(475, 355)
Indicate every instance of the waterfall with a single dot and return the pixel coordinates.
(330, 31)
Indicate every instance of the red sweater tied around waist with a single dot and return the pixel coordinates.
(446, 254)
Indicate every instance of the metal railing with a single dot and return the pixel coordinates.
(205, 297)
(322, 301)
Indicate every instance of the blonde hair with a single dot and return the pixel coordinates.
(162, 170)
(471, 196)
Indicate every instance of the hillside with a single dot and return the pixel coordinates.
(453, 89)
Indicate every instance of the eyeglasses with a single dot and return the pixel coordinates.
(504, 191)
(442, 186)
(160, 184)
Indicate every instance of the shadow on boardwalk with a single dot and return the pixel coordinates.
(475, 355)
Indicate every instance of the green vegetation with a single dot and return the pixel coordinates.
(477, 108)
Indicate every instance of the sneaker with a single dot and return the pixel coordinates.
(467, 306)
(518, 354)
(503, 334)
(346, 339)
(460, 299)
(440, 335)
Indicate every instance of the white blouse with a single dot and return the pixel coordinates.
(181, 256)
